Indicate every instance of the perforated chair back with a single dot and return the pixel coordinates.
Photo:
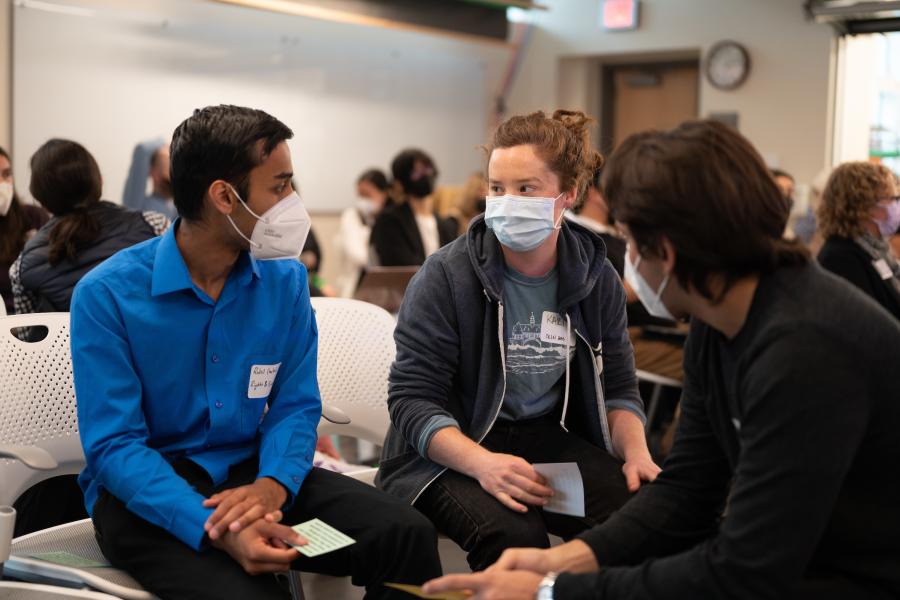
(356, 349)
(37, 400)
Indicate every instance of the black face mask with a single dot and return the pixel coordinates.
(420, 187)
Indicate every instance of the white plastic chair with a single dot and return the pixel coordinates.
(39, 440)
(16, 590)
(2, 306)
(356, 349)
(658, 382)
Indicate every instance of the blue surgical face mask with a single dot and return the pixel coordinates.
(521, 223)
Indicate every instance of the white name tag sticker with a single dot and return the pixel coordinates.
(553, 328)
(883, 269)
(262, 378)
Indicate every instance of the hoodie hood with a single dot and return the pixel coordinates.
(581, 255)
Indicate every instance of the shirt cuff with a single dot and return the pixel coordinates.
(635, 407)
(187, 525)
(432, 426)
(291, 478)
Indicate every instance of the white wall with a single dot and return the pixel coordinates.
(109, 74)
(783, 107)
(5, 74)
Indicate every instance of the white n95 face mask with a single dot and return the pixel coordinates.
(6, 198)
(280, 232)
(651, 300)
(521, 223)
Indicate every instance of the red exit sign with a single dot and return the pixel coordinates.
(618, 15)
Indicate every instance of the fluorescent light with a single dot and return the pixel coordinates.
(66, 9)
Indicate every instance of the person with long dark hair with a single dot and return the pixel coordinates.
(84, 231)
(18, 222)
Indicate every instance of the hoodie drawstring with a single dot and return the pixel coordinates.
(562, 419)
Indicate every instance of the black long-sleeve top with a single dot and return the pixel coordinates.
(795, 424)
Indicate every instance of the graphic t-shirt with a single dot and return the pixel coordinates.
(535, 345)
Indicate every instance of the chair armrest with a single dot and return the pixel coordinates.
(31, 456)
(335, 415)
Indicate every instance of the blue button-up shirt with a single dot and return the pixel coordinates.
(163, 372)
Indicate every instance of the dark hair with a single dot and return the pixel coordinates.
(704, 187)
(377, 178)
(219, 142)
(65, 179)
(562, 141)
(12, 227)
(404, 163)
(780, 173)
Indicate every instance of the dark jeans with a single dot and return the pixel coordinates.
(394, 543)
(484, 528)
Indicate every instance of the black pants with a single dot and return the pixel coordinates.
(484, 528)
(49, 503)
(394, 543)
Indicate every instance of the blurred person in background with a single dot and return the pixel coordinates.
(373, 195)
(593, 213)
(409, 232)
(859, 213)
(18, 223)
(83, 232)
(150, 160)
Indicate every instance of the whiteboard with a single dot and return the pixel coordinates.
(354, 96)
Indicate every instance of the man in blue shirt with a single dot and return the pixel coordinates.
(195, 371)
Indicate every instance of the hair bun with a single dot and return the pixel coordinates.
(575, 121)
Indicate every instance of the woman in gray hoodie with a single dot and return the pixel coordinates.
(512, 350)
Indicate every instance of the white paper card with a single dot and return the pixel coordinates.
(262, 378)
(883, 269)
(323, 538)
(568, 487)
(553, 328)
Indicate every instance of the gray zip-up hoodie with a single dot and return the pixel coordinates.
(450, 349)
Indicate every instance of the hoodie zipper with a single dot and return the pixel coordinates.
(502, 394)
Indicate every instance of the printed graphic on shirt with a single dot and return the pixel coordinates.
(528, 354)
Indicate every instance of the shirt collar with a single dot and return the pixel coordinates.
(170, 273)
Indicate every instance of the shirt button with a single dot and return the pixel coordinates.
(295, 479)
(215, 358)
(219, 404)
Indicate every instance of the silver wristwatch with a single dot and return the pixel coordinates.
(545, 589)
